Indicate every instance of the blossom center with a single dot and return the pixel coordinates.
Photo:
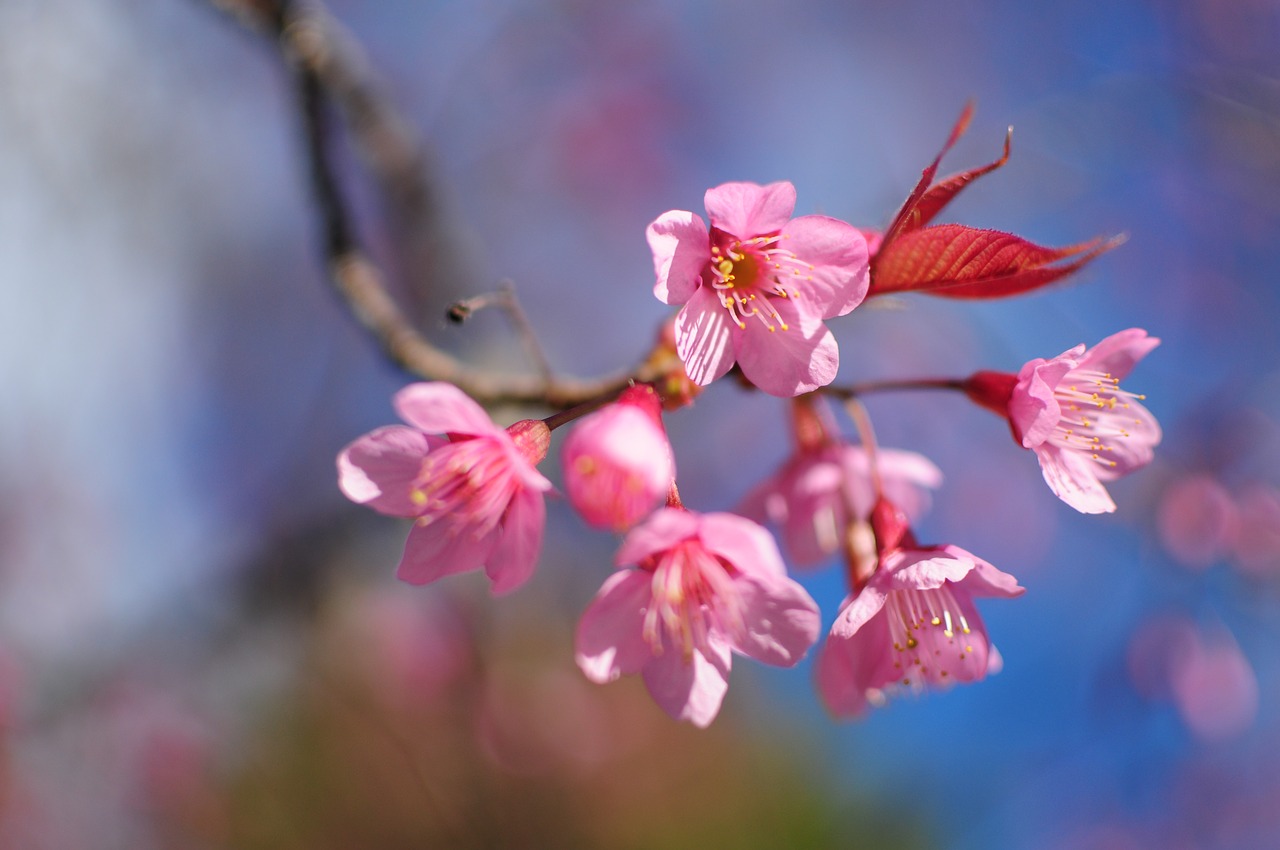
(1094, 414)
(930, 635)
(693, 595)
(749, 274)
(471, 482)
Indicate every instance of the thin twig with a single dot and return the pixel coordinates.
(505, 299)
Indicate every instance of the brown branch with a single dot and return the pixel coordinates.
(326, 69)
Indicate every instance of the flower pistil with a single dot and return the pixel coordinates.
(743, 271)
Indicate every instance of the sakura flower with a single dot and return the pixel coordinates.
(817, 493)
(617, 461)
(826, 485)
(757, 286)
(694, 588)
(475, 494)
(1072, 413)
(912, 624)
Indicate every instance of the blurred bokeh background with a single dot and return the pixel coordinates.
(202, 644)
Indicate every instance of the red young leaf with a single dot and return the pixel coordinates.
(906, 220)
(956, 261)
(940, 194)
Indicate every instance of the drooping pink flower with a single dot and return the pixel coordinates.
(757, 286)
(826, 485)
(617, 461)
(475, 494)
(1072, 413)
(693, 589)
(913, 625)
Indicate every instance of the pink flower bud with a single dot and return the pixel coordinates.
(617, 461)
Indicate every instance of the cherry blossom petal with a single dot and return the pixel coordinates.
(519, 542)
(690, 688)
(610, 640)
(704, 337)
(381, 469)
(926, 569)
(787, 362)
(439, 549)
(837, 252)
(1137, 448)
(1119, 353)
(806, 513)
(440, 408)
(852, 617)
(661, 531)
(848, 667)
(1074, 480)
(813, 535)
(745, 544)
(987, 580)
(908, 476)
(1033, 408)
(781, 621)
(748, 209)
(681, 248)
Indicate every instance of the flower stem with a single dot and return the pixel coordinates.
(564, 417)
(869, 387)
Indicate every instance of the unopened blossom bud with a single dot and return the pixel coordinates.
(617, 461)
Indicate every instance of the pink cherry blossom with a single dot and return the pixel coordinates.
(1072, 413)
(757, 286)
(475, 495)
(913, 625)
(818, 491)
(694, 588)
(826, 485)
(617, 461)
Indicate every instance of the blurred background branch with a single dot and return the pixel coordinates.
(328, 67)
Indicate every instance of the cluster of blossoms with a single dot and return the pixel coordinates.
(691, 589)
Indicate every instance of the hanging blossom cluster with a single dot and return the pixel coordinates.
(756, 288)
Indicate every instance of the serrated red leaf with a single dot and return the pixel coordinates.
(956, 261)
